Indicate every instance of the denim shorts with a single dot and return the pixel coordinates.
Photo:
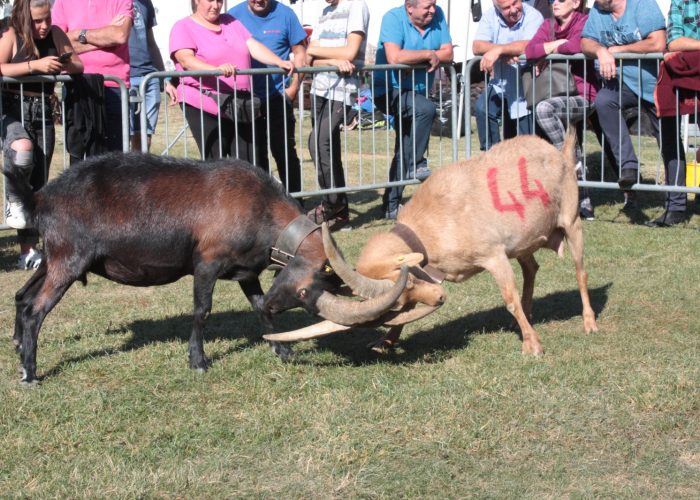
(151, 104)
(34, 111)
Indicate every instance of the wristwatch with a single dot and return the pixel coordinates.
(81, 37)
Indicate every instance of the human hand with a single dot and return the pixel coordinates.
(287, 66)
(228, 69)
(433, 61)
(171, 92)
(488, 60)
(344, 66)
(49, 65)
(606, 62)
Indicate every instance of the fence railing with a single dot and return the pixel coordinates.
(367, 151)
(646, 153)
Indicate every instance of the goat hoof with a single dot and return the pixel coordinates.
(28, 380)
(283, 350)
(382, 346)
(533, 350)
(201, 366)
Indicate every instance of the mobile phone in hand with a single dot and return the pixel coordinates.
(65, 57)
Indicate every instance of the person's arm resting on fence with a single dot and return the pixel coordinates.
(492, 52)
(396, 55)
(114, 34)
(264, 55)
(654, 42)
(341, 57)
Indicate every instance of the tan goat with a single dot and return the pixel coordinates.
(475, 215)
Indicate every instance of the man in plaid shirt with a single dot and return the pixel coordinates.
(683, 30)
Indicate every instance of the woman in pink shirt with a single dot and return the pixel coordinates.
(219, 110)
(562, 35)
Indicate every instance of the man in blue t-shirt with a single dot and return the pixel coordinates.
(276, 26)
(633, 26)
(144, 58)
(415, 33)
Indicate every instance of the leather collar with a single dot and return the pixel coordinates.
(289, 240)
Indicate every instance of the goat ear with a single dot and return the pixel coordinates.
(409, 259)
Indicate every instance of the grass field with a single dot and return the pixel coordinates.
(455, 412)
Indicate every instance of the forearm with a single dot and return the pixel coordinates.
(99, 38)
(413, 56)
(262, 54)
(684, 44)
(509, 49)
(320, 53)
(15, 70)
(590, 47)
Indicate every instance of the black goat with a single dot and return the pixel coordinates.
(146, 220)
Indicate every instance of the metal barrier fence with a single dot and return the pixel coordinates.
(364, 174)
(367, 152)
(642, 147)
(46, 99)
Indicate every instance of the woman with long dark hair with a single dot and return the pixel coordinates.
(30, 46)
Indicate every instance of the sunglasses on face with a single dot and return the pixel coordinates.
(554, 1)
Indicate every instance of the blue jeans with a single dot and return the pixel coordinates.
(489, 108)
(413, 118)
(151, 104)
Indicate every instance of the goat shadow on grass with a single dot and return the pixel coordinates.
(432, 345)
(230, 325)
(426, 346)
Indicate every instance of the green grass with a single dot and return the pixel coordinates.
(456, 411)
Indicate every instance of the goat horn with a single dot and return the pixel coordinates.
(363, 286)
(351, 313)
(326, 327)
(310, 332)
(411, 315)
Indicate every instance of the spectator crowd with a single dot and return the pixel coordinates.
(235, 115)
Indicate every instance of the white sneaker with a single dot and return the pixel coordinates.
(30, 260)
(14, 215)
(579, 170)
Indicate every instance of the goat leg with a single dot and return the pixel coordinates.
(388, 342)
(254, 294)
(204, 281)
(501, 270)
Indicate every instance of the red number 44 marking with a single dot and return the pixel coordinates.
(515, 205)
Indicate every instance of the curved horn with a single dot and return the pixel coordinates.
(309, 332)
(411, 315)
(361, 285)
(326, 327)
(350, 312)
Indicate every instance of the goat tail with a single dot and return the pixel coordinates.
(21, 188)
(568, 150)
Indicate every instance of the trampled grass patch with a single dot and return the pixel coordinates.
(456, 411)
